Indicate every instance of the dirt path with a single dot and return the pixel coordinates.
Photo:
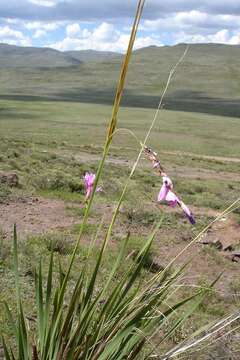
(86, 155)
(34, 215)
(183, 171)
(206, 157)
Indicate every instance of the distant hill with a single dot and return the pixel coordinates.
(93, 55)
(208, 80)
(17, 56)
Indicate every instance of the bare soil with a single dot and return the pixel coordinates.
(34, 215)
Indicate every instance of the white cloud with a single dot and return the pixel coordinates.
(39, 33)
(39, 29)
(235, 39)
(105, 32)
(145, 41)
(104, 37)
(40, 25)
(190, 24)
(73, 30)
(25, 42)
(141, 41)
(12, 21)
(192, 21)
(223, 36)
(9, 41)
(196, 27)
(13, 37)
(6, 31)
(46, 3)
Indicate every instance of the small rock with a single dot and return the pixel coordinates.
(227, 245)
(214, 243)
(217, 244)
(228, 248)
(236, 256)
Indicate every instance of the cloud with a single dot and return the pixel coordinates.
(235, 39)
(36, 25)
(108, 22)
(140, 42)
(104, 37)
(47, 3)
(8, 32)
(39, 33)
(105, 32)
(195, 26)
(221, 37)
(193, 20)
(107, 10)
(14, 37)
(73, 30)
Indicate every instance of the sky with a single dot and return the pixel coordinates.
(105, 24)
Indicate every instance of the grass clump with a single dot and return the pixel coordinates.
(91, 322)
(58, 181)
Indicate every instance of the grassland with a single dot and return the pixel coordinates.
(207, 81)
(51, 144)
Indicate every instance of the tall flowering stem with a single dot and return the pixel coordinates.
(111, 129)
(166, 193)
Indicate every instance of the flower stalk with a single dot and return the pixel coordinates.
(166, 192)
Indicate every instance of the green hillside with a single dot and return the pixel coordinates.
(92, 55)
(16, 56)
(207, 81)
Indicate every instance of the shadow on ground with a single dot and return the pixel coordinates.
(190, 101)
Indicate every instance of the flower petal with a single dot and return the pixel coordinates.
(88, 192)
(88, 179)
(163, 192)
(168, 182)
(172, 199)
(188, 213)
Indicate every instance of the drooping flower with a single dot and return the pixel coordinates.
(187, 212)
(172, 199)
(166, 187)
(166, 194)
(163, 193)
(88, 183)
(89, 179)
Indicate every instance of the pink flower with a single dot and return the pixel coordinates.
(88, 183)
(166, 194)
(187, 212)
(166, 186)
(172, 199)
(89, 179)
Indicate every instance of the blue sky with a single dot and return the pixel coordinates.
(105, 24)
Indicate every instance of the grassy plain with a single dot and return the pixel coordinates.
(207, 81)
(51, 144)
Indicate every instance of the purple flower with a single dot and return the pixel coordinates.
(166, 194)
(88, 183)
(187, 212)
(172, 199)
(166, 187)
(89, 179)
